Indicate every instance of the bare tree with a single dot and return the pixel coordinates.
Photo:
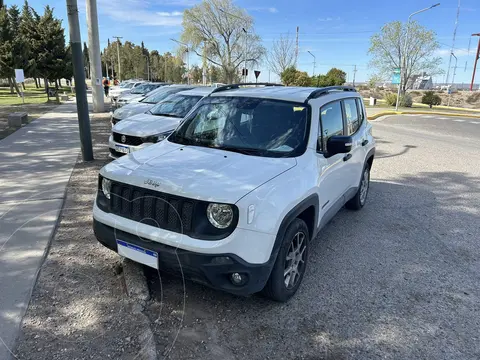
(218, 28)
(282, 54)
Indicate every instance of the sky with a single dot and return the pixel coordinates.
(337, 34)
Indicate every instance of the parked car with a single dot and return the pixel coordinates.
(235, 196)
(147, 103)
(142, 130)
(137, 93)
(115, 92)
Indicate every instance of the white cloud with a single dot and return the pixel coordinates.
(329, 19)
(272, 10)
(138, 13)
(456, 52)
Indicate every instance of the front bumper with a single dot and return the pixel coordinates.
(131, 148)
(213, 270)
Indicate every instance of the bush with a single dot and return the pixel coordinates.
(430, 98)
(391, 99)
(472, 99)
(406, 100)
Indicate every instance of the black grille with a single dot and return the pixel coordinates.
(157, 209)
(129, 140)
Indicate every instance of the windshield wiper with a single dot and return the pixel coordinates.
(241, 150)
(166, 115)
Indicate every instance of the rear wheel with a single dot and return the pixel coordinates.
(360, 198)
(291, 262)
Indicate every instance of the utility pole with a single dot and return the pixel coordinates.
(245, 66)
(314, 61)
(118, 54)
(95, 60)
(79, 75)
(453, 78)
(354, 73)
(453, 43)
(475, 64)
(296, 48)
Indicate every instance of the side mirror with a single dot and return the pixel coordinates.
(339, 145)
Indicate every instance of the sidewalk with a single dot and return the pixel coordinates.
(35, 165)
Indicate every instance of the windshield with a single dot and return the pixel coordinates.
(175, 106)
(250, 126)
(143, 89)
(162, 95)
(128, 86)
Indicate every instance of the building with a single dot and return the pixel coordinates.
(420, 82)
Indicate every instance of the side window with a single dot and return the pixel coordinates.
(351, 114)
(331, 123)
(361, 112)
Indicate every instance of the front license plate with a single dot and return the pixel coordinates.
(138, 254)
(122, 149)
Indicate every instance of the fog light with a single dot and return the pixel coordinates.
(237, 279)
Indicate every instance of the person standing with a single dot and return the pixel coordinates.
(106, 86)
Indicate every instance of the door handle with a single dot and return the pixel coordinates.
(347, 157)
(364, 142)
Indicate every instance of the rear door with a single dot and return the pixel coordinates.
(354, 127)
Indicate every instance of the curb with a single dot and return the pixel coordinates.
(137, 289)
(383, 113)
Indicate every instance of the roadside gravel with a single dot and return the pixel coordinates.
(79, 308)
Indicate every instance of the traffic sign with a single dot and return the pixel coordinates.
(396, 76)
(257, 73)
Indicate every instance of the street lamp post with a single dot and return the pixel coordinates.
(245, 57)
(453, 78)
(188, 58)
(314, 60)
(403, 63)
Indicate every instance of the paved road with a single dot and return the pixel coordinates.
(35, 166)
(398, 280)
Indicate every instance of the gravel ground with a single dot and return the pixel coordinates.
(79, 309)
(398, 280)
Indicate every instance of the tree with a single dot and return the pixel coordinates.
(288, 76)
(197, 74)
(335, 77)
(6, 47)
(28, 29)
(302, 79)
(86, 60)
(216, 28)
(430, 98)
(282, 54)
(388, 49)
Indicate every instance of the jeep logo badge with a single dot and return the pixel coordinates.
(123, 138)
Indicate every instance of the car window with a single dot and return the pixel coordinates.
(161, 95)
(351, 115)
(331, 123)
(361, 113)
(251, 126)
(175, 106)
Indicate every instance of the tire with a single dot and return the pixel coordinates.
(359, 200)
(276, 287)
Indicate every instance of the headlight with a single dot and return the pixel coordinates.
(106, 186)
(156, 138)
(220, 215)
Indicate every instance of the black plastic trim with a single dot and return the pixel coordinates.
(326, 90)
(202, 268)
(237, 86)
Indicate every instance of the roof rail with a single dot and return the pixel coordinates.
(237, 86)
(326, 90)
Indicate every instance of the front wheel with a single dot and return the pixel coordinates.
(291, 262)
(358, 201)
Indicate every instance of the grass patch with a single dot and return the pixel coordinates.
(32, 96)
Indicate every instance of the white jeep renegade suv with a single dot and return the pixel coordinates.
(235, 195)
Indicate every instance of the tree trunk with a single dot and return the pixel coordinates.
(36, 82)
(11, 85)
(23, 85)
(56, 84)
(45, 82)
(60, 82)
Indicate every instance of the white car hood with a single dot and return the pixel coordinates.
(196, 172)
(146, 124)
(129, 97)
(132, 109)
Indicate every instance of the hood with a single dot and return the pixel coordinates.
(119, 91)
(145, 125)
(130, 96)
(196, 172)
(131, 109)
